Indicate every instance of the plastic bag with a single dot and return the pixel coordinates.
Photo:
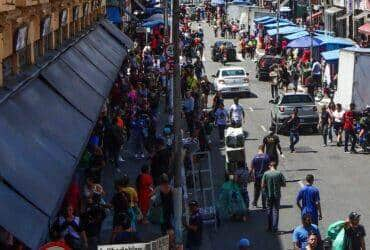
(336, 233)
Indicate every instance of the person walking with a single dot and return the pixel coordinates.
(259, 165)
(349, 121)
(194, 228)
(293, 125)
(325, 124)
(274, 75)
(271, 146)
(237, 114)
(301, 233)
(308, 200)
(221, 121)
(272, 181)
(338, 123)
(354, 233)
(188, 108)
(242, 179)
(144, 183)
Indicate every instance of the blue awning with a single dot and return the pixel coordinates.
(217, 2)
(296, 35)
(331, 56)
(261, 19)
(335, 40)
(114, 15)
(152, 24)
(285, 30)
(281, 24)
(241, 2)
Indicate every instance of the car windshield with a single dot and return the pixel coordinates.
(233, 72)
(296, 99)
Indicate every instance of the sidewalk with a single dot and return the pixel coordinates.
(130, 167)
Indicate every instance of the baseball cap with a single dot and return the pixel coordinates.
(244, 242)
(354, 216)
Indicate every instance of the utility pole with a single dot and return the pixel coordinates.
(178, 161)
(278, 23)
(311, 30)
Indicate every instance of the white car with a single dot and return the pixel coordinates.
(231, 80)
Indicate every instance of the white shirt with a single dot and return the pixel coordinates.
(338, 116)
(236, 112)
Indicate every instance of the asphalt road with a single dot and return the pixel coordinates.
(343, 179)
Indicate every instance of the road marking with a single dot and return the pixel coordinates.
(251, 109)
(263, 128)
(301, 184)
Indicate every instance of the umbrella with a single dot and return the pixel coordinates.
(331, 56)
(296, 35)
(304, 42)
(281, 24)
(261, 19)
(152, 24)
(155, 17)
(285, 30)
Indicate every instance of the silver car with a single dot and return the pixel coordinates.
(231, 80)
(284, 105)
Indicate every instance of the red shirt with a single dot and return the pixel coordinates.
(348, 118)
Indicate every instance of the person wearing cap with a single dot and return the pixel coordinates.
(271, 146)
(194, 227)
(244, 244)
(354, 233)
(302, 232)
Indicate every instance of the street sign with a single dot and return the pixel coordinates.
(170, 50)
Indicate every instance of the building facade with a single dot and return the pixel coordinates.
(29, 29)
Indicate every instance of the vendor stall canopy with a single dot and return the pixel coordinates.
(285, 30)
(45, 125)
(330, 56)
(281, 24)
(304, 42)
(296, 35)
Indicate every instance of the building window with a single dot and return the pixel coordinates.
(7, 66)
(38, 50)
(24, 56)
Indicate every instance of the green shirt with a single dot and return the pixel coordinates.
(273, 180)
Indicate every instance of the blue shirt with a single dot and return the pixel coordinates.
(309, 196)
(188, 105)
(300, 235)
(260, 164)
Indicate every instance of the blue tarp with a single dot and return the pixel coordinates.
(331, 56)
(261, 19)
(285, 30)
(217, 2)
(114, 15)
(304, 42)
(324, 32)
(281, 24)
(152, 24)
(334, 43)
(296, 35)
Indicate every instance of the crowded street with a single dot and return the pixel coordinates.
(178, 125)
(341, 178)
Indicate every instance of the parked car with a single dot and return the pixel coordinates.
(264, 66)
(231, 51)
(230, 80)
(284, 105)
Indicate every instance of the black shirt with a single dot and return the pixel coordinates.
(160, 163)
(194, 238)
(353, 237)
(167, 207)
(271, 142)
(293, 124)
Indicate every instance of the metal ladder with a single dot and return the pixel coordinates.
(202, 188)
